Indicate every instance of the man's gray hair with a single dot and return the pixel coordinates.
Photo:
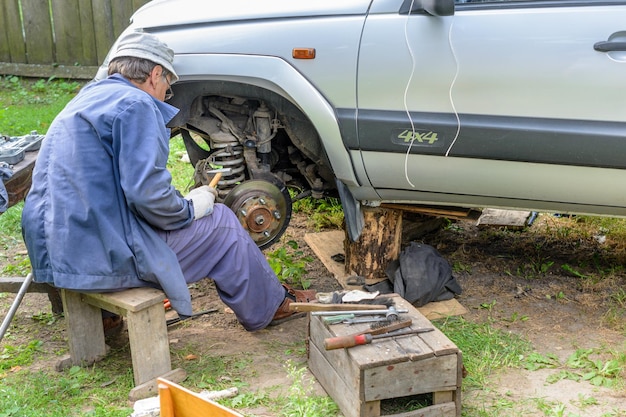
(134, 69)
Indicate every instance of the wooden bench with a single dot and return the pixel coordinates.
(147, 333)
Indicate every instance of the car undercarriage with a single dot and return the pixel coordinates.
(254, 148)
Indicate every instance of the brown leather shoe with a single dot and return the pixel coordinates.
(283, 313)
(302, 296)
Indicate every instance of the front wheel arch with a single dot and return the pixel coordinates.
(298, 126)
(253, 197)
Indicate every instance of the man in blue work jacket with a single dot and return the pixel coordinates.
(102, 214)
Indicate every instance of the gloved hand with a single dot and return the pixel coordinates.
(203, 199)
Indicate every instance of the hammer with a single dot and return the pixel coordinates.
(367, 338)
(216, 178)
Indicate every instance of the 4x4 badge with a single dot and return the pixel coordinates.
(417, 137)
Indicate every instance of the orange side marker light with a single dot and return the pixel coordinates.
(303, 53)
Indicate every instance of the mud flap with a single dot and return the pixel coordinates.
(351, 211)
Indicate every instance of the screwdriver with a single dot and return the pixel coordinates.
(340, 342)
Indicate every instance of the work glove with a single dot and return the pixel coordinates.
(203, 200)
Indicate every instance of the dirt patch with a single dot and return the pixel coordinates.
(555, 288)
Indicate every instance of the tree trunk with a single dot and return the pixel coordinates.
(378, 244)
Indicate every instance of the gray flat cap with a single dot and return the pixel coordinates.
(146, 46)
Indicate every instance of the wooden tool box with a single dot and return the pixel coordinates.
(364, 379)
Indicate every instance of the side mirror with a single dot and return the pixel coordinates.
(431, 7)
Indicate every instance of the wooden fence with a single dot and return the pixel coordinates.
(60, 38)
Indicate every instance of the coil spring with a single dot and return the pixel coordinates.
(228, 155)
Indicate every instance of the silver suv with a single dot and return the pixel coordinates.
(510, 104)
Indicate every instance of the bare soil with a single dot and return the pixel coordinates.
(508, 283)
(514, 280)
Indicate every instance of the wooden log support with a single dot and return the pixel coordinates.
(379, 244)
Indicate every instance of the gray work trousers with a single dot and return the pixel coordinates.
(217, 246)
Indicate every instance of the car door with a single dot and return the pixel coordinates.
(505, 103)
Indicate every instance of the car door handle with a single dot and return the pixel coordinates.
(608, 46)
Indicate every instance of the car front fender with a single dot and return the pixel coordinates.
(276, 75)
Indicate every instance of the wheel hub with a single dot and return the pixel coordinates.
(263, 209)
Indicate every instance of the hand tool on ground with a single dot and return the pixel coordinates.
(340, 342)
(334, 307)
(15, 305)
(193, 316)
(390, 310)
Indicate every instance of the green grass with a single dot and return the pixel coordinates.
(17, 356)
(486, 350)
(10, 224)
(599, 367)
(27, 105)
(76, 392)
(181, 170)
(322, 213)
(212, 372)
(301, 402)
(489, 351)
(289, 264)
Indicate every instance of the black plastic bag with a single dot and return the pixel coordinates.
(420, 275)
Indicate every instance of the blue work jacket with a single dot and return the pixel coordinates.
(100, 191)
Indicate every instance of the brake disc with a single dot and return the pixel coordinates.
(263, 208)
